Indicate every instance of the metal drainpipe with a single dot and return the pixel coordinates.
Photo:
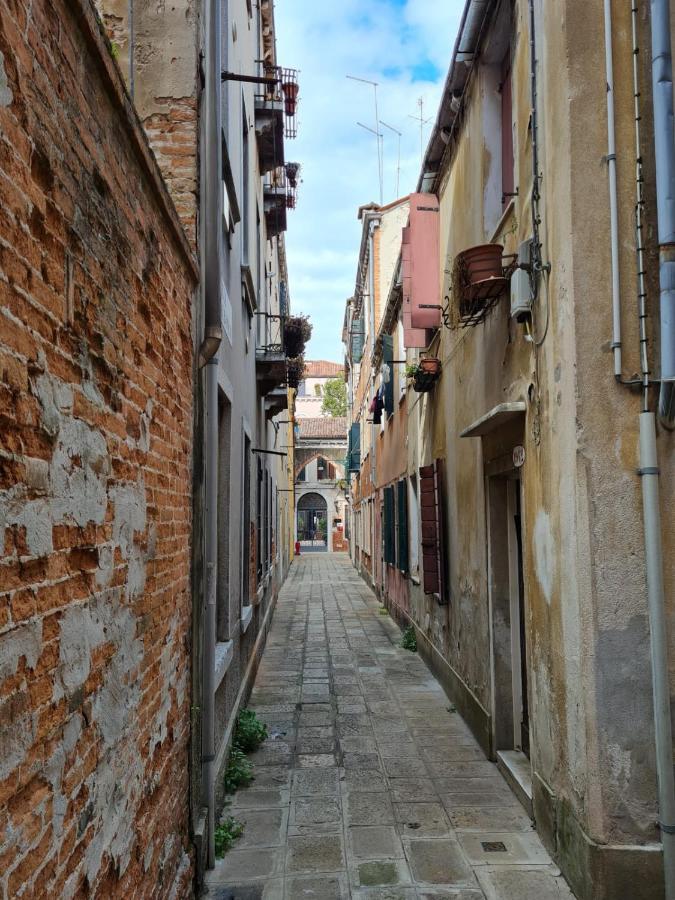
(211, 194)
(211, 559)
(662, 98)
(613, 193)
(373, 434)
(664, 146)
(649, 472)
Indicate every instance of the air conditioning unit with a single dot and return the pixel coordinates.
(521, 288)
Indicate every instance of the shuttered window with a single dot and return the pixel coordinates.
(387, 359)
(354, 448)
(389, 536)
(402, 510)
(431, 502)
(358, 338)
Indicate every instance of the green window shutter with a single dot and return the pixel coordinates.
(403, 526)
(354, 448)
(357, 340)
(388, 358)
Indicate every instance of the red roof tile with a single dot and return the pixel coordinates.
(322, 368)
(332, 427)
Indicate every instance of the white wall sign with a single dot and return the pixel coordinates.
(518, 456)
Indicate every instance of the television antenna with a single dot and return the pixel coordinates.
(398, 161)
(375, 130)
(420, 118)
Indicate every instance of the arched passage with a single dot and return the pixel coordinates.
(312, 522)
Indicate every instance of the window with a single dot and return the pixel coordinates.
(499, 186)
(223, 512)
(302, 474)
(387, 373)
(413, 526)
(389, 526)
(245, 187)
(318, 391)
(246, 524)
(433, 544)
(259, 507)
(507, 132)
(400, 354)
(402, 526)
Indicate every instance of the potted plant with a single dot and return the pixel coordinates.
(297, 332)
(483, 262)
(429, 365)
(292, 171)
(295, 369)
(427, 374)
(290, 89)
(411, 370)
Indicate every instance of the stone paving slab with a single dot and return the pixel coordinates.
(370, 786)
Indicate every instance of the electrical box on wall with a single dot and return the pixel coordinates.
(521, 286)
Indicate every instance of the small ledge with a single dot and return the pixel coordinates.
(496, 417)
(246, 616)
(224, 656)
(415, 580)
(517, 770)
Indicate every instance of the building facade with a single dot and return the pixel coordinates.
(516, 529)
(146, 503)
(309, 400)
(320, 485)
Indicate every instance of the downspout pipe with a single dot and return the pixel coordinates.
(664, 147)
(613, 193)
(373, 427)
(211, 195)
(649, 472)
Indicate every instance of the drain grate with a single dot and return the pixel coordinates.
(493, 846)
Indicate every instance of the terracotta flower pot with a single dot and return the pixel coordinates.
(482, 262)
(430, 366)
(290, 90)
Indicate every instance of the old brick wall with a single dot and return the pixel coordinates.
(96, 289)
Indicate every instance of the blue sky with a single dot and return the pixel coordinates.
(405, 45)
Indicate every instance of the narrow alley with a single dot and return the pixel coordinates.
(369, 784)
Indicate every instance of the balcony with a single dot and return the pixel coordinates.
(275, 202)
(276, 401)
(270, 358)
(270, 369)
(269, 130)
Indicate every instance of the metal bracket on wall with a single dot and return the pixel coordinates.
(249, 79)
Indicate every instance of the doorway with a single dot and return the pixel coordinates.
(508, 618)
(312, 523)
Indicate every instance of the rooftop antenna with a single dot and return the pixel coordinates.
(398, 161)
(380, 138)
(420, 118)
(375, 130)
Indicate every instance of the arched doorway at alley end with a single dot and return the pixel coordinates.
(312, 522)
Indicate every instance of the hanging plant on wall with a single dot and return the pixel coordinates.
(297, 332)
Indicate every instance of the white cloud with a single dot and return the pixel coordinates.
(405, 45)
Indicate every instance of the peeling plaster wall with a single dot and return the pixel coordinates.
(156, 46)
(96, 287)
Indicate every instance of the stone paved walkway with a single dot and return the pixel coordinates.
(368, 787)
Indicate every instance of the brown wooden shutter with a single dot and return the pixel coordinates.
(431, 500)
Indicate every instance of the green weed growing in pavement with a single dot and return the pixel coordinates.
(250, 732)
(226, 834)
(383, 611)
(239, 771)
(409, 639)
